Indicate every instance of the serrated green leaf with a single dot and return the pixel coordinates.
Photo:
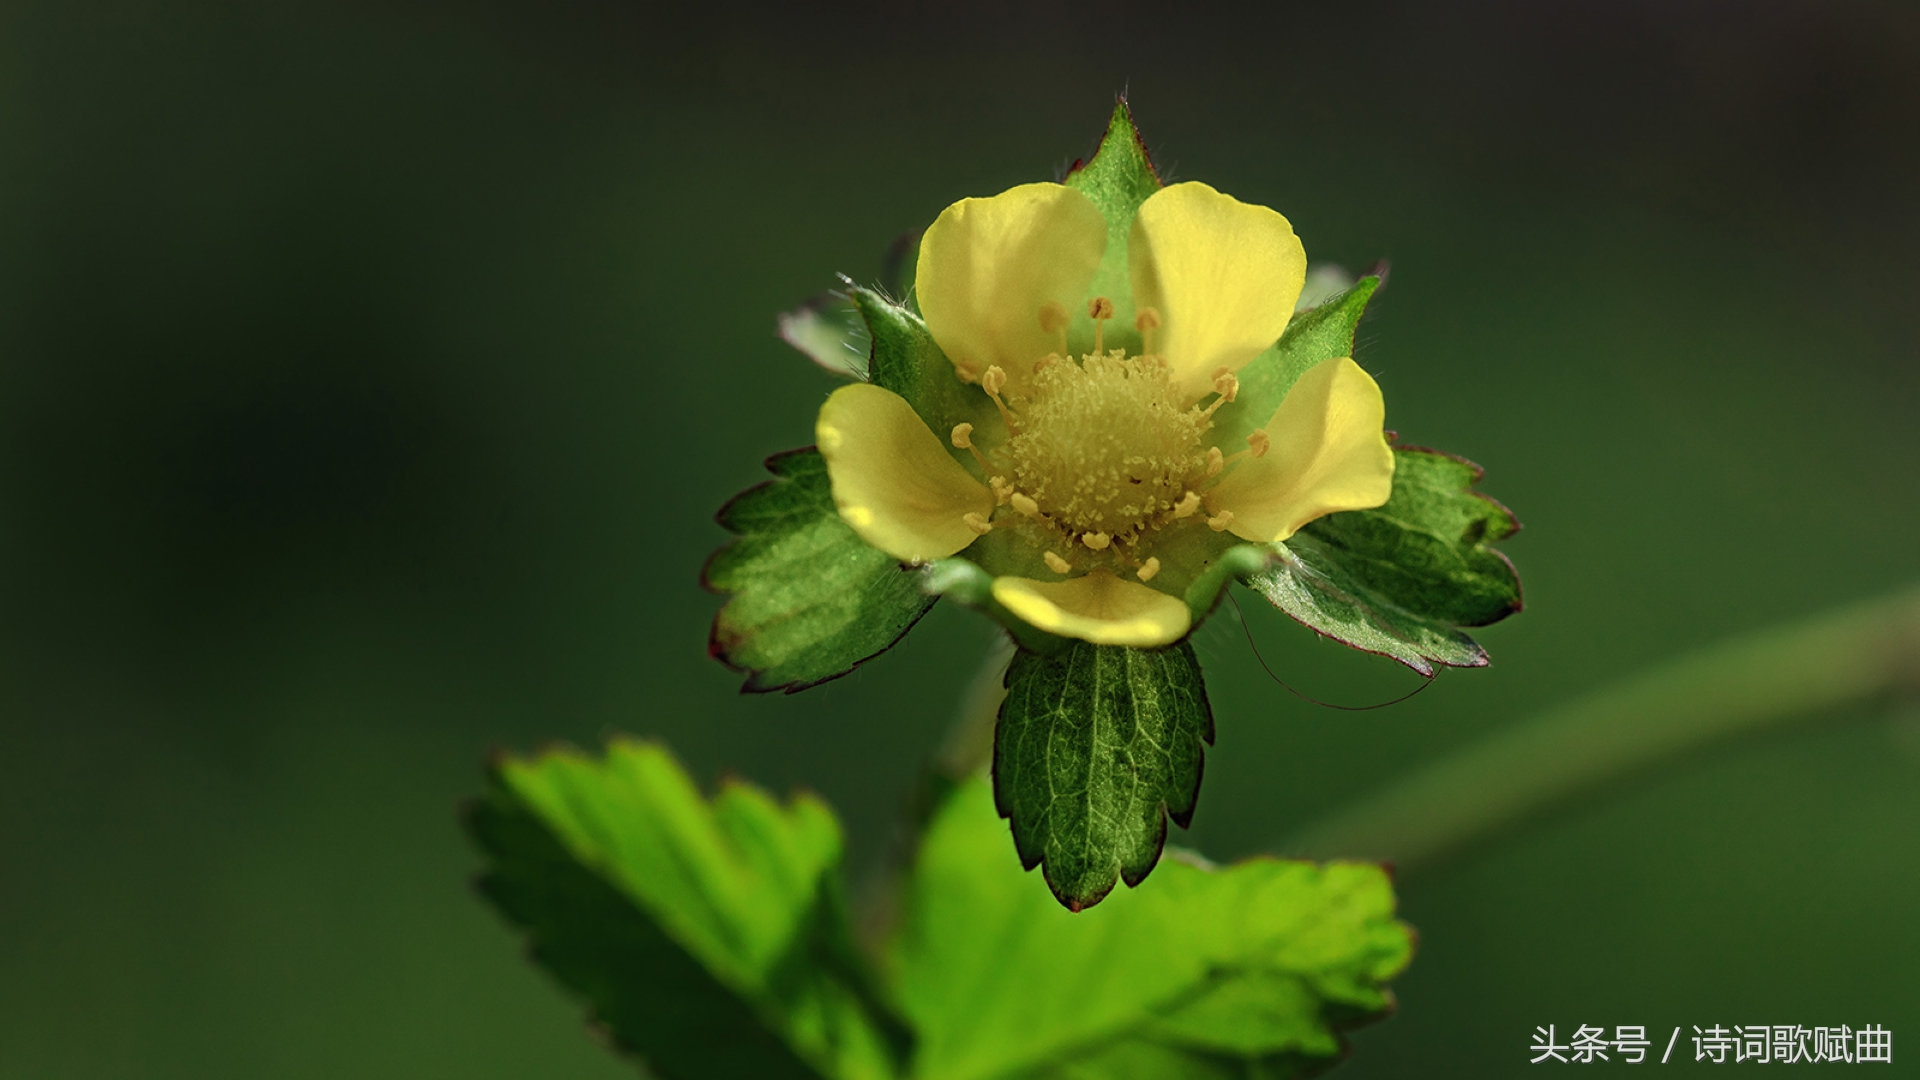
(1316, 335)
(709, 937)
(1096, 747)
(906, 360)
(1202, 973)
(829, 331)
(1117, 179)
(1400, 580)
(808, 599)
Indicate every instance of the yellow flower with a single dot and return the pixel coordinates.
(1094, 486)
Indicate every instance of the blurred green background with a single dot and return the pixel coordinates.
(372, 372)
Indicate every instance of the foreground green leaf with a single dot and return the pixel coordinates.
(1245, 971)
(1402, 579)
(1097, 745)
(710, 938)
(808, 599)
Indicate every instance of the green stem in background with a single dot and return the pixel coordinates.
(969, 742)
(966, 750)
(1782, 673)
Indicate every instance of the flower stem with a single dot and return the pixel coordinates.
(1803, 669)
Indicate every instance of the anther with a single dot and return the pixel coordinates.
(1097, 541)
(963, 440)
(1259, 443)
(977, 523)
(1226, 384)
(1147, 321)
(994, 381)
(1099, 309)
(1024, 504)
(1185, 508)
(1055, 563)
(1216, 461)
(1220, 521)
(1002, 488)
(1148, 568)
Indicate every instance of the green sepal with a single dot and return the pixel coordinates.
(906, 360)
(1204, 973)
(1117, 179)
(710, 938)
(1096, 747)
(1402, 579)
(1313, 336)
(808, 600)
(966, 582)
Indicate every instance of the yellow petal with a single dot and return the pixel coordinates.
(892, 480)
(1097, 607)
(1224, 275)
(988, 266)
(1326, 452)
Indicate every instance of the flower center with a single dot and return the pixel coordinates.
(1103, 452)
(1103, 445)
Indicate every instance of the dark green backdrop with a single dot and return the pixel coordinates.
(369, 375)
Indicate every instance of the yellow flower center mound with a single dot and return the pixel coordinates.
(1102, 451)
(1104, 445)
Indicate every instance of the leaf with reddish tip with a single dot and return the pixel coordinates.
(807, 599)
(1097, 746)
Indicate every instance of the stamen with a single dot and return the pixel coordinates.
(1099, 309)
(1024, 504)
(977, 523)
(1259, 443)
(1185, 508)
(1055, 563)
(994, 381)
(1216, 461)
(963, 440)
(1098, 541)
(1148, 568)
(1053, 320)
(1220, 521)
(1226, 384)
(1147, 321)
